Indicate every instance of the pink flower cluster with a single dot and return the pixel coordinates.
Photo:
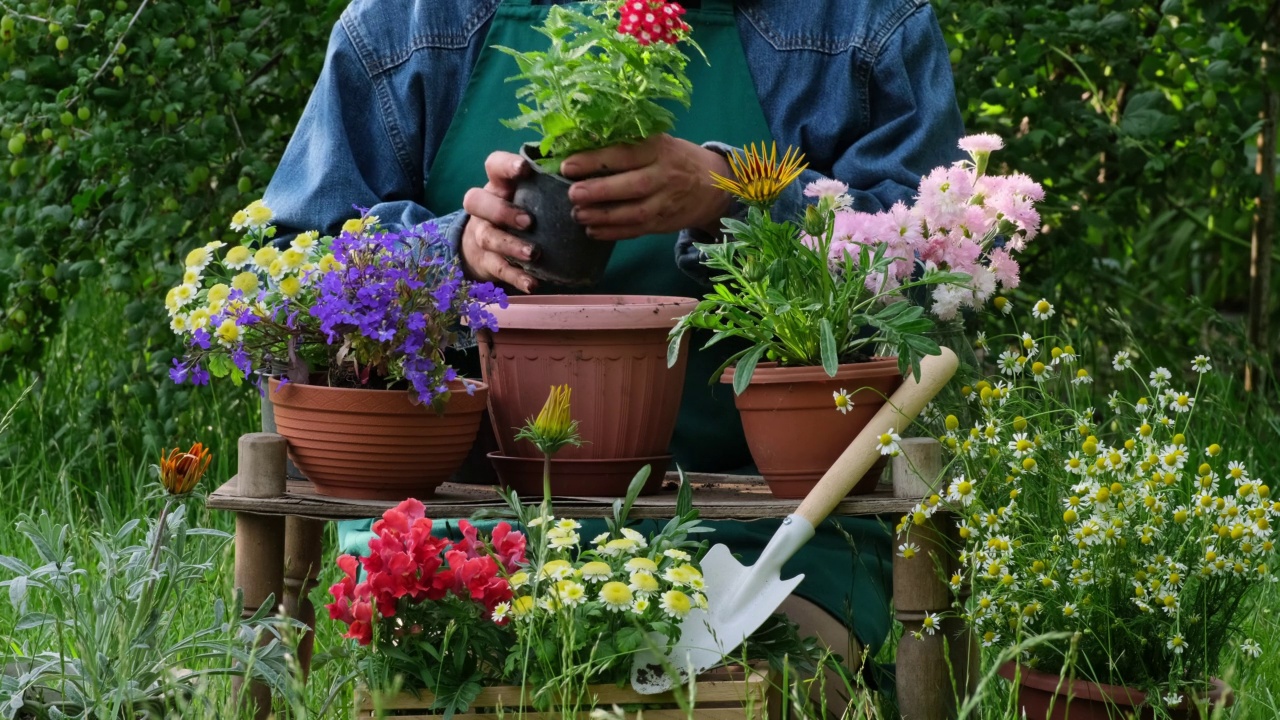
(406, 561)
(959, 217)
(651, 21)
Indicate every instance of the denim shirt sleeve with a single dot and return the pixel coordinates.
(913, 128)
(342, 154)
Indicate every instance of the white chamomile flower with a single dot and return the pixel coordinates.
(1142, 406)
(980, 342)
(305, 241)
(1010, 363)
(908, 550)
(675, 554)
(930, 623)
(600, 539)
(961, 491)
(1181, 402)
(990, 638)
(501, 611)
(635, 537)
(1251, 648)
(1177, 644)
(1082, 377)
(843, 402)
(1201, 364)
(1122, 360)
(1042, 310)
(888, 443)
(1160, 377)
(1172, 699)
(567, 524)
(1069, 610)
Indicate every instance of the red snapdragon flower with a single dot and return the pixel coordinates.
(406, 561)
(650, 21)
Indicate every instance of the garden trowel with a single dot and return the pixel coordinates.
(741, 597)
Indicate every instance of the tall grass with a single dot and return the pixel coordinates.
(72, 429)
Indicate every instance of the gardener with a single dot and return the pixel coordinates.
(405, 119)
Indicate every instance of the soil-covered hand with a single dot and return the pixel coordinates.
(661, 185)
(487, 247)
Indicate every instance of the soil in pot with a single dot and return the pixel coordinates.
(793, 428)
(1044, 696)
(579, 478)
(375, 444)
(610, 349)
(565, 255)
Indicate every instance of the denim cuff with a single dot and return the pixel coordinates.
(689, 258)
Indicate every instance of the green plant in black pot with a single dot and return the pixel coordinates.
(609, 77)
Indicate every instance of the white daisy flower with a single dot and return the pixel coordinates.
(1201, 364)
(1160, 377)
(1122, 361)
(1042, 310)
(888, 443)
(1251, 648)
(843, 402)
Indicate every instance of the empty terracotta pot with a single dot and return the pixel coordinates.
(610, 349)
(375, 444)
(1045, 696)
(793, 428)
(580, 478)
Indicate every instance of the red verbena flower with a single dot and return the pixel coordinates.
(650, 21)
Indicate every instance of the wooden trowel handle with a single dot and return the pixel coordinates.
(898, 413)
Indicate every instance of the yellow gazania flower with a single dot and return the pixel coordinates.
(293, 258)
(553, 428)
(219, 293)
(676, 604)
(522, 605)
(181, 471)
(305, 241)
(329, 262)
(228, 331)
(258, 214)
(759, 177)
(290, 286)
(265, 256)
(596, 570)
(246, 282)
(616, 596)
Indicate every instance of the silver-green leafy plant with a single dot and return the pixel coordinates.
(107, 642)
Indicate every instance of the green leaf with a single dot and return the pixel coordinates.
(746, 367)
(830, 357)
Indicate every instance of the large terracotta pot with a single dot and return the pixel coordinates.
(793, 428)
(375, 444)
(579, 478)
(1045, 696)
(610, 349)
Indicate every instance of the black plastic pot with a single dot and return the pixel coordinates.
(566, 256)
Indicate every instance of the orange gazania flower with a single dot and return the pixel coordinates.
(759, 177)
(181, 471)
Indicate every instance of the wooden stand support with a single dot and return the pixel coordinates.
(920, 589)
(259, 568)
(302, 544)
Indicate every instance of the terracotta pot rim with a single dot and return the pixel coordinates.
(591, 312)
(581, 462)
(771, 373)
(454, 386)
(1100, 692)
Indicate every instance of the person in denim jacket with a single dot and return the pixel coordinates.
(862, 87)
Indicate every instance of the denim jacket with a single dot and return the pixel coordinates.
(862, 87)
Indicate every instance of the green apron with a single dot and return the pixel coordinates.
(708, 434)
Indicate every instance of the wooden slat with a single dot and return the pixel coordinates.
(717, 497)
(717, 699)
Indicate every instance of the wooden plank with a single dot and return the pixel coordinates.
(723, 698)
(717, 497)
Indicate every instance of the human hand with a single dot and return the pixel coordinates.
(661, 185)
(486, 244)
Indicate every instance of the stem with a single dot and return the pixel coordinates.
(546, 486)
(145, 601)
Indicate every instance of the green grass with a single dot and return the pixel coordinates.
(78, 427)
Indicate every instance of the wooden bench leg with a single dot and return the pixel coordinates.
(303, 538)
(260, 540)
(923, 680)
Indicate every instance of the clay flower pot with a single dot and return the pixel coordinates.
(611, 349)
(566, 256)
(375, 444)
(1045, 696)
(579, 478)
(793, 428)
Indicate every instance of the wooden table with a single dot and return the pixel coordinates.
(280, 526)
